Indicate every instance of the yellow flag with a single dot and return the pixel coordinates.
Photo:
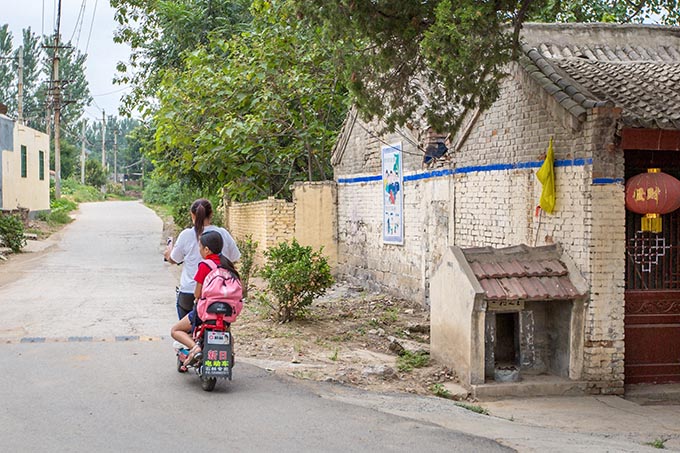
(546, 175)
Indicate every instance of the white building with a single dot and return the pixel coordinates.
(24, 167)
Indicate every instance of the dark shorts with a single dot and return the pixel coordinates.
(195, 320)
(185, 303)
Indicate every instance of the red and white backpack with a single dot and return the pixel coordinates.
(220, 285)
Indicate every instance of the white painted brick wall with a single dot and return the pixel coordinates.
(495, 207)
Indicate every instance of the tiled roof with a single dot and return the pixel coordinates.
(597, 70)
(521, 273)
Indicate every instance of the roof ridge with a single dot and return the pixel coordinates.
(568, 93)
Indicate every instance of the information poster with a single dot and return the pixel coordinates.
(393, 195)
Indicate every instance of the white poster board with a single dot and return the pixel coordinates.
(393, 194)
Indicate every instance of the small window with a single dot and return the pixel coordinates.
(23, 161)
(42, 165)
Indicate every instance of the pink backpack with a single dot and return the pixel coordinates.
(220, 285)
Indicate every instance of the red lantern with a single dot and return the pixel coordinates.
(653, 193)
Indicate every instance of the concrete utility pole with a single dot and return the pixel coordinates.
(104, 140)
(115, 156)
(20, 88)
(57, 109)
(82, 154)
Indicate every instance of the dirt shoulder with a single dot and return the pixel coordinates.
(349, 336)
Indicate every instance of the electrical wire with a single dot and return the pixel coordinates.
(79, 22)
(377, 137)
(112, 92)
(89, 35)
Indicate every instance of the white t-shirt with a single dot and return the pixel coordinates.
(186, 250)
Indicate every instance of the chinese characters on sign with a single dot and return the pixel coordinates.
(393, 195)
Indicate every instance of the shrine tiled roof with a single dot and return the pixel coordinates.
(521, 273)
(635, 68)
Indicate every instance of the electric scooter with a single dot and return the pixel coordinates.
(217, 349)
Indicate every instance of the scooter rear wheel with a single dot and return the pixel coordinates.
(208, 384)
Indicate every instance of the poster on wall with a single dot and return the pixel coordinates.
(393, 195)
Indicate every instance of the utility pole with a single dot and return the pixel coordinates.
(104, 141)
(115, 156)
(57, 109)
(20, 88)
(82, 154)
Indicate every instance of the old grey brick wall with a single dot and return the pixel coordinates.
(486, 195)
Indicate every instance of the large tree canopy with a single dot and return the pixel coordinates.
(453, 50)
(159, 32)
(255, 112)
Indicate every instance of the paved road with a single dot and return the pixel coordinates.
(85, 367)
(105, 277)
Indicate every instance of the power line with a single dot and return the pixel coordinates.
(112, 92)
(89, 35)
(79, 20)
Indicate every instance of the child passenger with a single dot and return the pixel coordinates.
(210, 246)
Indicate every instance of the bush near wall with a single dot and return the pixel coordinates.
(295, 276)
(12, 232)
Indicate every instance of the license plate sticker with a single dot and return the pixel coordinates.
(218, 337)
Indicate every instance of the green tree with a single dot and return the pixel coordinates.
(253, 113)
(7, 78)
(159, 32)
(94, 173)
(664, 11)
(33, 79)
(430, 61)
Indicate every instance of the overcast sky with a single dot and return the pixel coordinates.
(102, 53)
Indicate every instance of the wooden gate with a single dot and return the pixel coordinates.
(652, 314)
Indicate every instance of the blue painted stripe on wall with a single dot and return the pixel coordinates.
(429, 174)
(472, 169)
(607, 180)
(359, 179)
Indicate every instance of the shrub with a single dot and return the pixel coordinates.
(86, 193)
(95, 175)
(246, 265)
(12, 232)
(295, 276)
(114, 188)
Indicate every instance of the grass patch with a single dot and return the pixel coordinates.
(439, 390)
(473, 408)
(58, 218)
(334, 356)
(410, 360)
(342, 338)
(390, 316)
(658, 443)
(85, 194)
(119, 197)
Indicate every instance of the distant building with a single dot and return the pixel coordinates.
(24, 167)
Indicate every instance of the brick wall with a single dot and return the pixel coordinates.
(269, 222)
(486, 195)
